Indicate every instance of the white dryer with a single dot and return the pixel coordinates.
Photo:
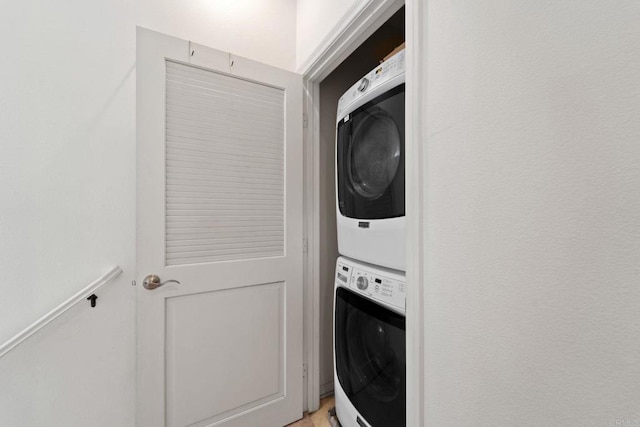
(369, 345)
(370, 172)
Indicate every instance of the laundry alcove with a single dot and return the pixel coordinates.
(388, 36)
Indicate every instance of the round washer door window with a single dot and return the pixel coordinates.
(374, 155)
(374, 359)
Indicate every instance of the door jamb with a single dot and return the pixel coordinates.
(416, 201)
(360, 21)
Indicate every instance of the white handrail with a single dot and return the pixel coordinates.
(50, 316)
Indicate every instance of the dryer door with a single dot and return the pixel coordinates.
(370, 156)
(370, 358)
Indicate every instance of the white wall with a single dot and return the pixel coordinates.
(67, 126)
(533, 219)
(315, 20)
(67, 192)
(263, 30)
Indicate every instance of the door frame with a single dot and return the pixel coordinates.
(360, 21)
(416, 201)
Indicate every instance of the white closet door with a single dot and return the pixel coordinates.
(219, 209)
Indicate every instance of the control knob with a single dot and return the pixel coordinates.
(362, 283)
(364, 84)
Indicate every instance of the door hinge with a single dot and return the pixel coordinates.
(305, 245)
(304, 370)
(305, 121)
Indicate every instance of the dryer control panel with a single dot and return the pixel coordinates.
(379, 75)
(373, 283)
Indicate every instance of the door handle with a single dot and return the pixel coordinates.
(152, 281)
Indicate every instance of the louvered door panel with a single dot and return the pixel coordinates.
(224, 167)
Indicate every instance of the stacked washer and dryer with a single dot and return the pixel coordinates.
(369, 298)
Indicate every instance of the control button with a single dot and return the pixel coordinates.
(364, 84)
(362, 283)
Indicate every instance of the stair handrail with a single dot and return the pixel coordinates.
(81, 295)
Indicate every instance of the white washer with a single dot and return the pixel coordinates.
(369, 345)
(370, 167)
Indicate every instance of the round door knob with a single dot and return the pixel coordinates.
(362, 283)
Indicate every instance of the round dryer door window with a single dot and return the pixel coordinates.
(374, 155)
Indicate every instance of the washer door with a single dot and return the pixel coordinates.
(370, 157)
(370, 358)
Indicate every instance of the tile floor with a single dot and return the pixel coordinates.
(318, 418)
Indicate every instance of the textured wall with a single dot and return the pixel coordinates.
(533, 220)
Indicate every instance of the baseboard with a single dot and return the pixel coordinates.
(326, 389)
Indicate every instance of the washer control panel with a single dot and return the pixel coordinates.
(382, 73)
(343, 273)
(387, 287)
(373, 284)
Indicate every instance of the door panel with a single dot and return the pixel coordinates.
(204, 389)
(219, 208)
(220, 126)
